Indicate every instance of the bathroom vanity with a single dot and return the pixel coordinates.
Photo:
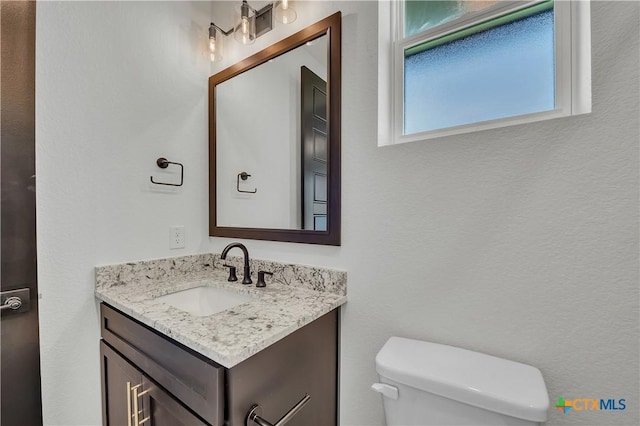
(163, 365)
(172, 353)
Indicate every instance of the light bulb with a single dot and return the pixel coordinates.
(245, 27)
(215, 53)
(215, 45)
(285, 13)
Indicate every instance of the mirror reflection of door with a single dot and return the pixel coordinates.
(314, 150)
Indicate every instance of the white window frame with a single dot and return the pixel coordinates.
(572, 60)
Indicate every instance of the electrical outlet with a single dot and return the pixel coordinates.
(176, 237)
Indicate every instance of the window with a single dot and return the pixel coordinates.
(449, 67)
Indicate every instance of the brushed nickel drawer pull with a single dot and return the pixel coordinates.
(136, 409)
(129, 404)
(254, 414)
(146, 419)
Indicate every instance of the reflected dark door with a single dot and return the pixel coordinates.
(19, 349)
(315, 151)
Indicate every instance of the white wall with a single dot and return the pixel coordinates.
(519, 242)
(118, 84)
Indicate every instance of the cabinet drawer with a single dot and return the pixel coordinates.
(190, 377)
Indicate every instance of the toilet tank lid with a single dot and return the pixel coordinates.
(473, 378)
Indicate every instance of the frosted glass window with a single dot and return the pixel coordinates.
(420, 15)
(505, 71)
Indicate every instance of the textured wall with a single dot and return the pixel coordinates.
(118, 85)
(520, 242)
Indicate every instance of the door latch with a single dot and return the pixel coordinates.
(14, 301)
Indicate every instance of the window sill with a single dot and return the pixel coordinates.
(475, 127)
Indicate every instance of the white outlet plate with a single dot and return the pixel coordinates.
(176, 237)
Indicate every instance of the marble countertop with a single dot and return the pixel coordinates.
(228, 337)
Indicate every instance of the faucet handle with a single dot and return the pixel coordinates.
(232, 273)
(261, 282)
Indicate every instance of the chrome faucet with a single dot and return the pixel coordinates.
(247, 271)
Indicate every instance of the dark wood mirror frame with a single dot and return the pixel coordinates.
(330, 26)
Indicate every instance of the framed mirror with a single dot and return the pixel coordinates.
(274, 141)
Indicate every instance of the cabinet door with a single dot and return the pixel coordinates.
(118, 377)
(163, 409)
(125, 388)
(276, 378)
(190, 378)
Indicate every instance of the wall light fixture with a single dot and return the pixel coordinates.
(216, 44)
(250, 24)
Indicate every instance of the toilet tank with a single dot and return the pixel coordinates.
(426, 383)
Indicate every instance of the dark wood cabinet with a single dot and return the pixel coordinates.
(191, 378)
(163, 409)
(130, 398)
(117, 378)
(305, 362)
(181, 387)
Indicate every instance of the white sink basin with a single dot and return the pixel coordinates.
(204, 301)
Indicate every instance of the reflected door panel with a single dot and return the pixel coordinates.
(314, 150)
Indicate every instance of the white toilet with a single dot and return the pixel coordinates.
(426, 383)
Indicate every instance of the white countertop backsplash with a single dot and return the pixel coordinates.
(294, 296)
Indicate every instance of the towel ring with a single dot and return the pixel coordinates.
(163, 163)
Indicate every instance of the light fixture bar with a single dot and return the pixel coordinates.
(250, 24)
